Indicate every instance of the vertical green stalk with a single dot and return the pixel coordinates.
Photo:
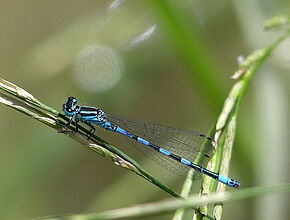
(226, 123)
(188, 44)
(184, 194)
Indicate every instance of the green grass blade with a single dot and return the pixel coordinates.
(170, 205)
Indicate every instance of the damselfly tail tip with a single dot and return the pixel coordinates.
(235, 184)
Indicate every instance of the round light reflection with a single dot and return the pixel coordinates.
(97, 68)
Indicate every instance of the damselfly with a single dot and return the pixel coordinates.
(172, 148)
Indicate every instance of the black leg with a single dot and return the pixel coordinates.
(64, 130)
(69, 122)
(77, 123)
(92, 130)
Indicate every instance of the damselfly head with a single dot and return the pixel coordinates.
(70, 106)
(71, 99)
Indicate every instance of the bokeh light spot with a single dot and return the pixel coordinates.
(97, 68)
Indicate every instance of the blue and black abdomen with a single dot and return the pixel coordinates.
(175, 147)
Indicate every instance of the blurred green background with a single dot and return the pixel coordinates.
(167, 62)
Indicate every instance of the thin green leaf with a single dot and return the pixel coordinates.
(170, 205)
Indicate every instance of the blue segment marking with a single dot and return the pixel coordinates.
(121, 131)
(223, 179)
(163, 151)
(154, 136)
(141, 140)
(186, 162)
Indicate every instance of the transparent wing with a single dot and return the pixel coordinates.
(187, 144)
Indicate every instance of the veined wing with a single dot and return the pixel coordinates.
(187, 144)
